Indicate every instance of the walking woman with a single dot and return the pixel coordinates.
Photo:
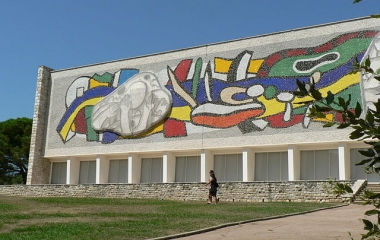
(213, 188)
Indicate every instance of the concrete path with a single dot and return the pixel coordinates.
(332, 224)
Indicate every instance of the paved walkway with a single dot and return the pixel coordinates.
(332, 224)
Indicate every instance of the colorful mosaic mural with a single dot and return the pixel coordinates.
(244, 92)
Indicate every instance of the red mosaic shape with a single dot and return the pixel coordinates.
(174, 128)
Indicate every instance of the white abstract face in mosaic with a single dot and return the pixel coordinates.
(134, 107)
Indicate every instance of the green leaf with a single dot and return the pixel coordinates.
(372, 212)
(377, 105)
(358, 110)
(329, 124)
(330, 98)
(367, 62)
(368, 153)
(317, 95)
(322, 109)
(300, 94)
(342, 103)
(304, 102)
(369, 117)
(343, 125)
(351, 115)
(363, 162)
(375, 196)
(368, 225)
(347, 188)
(356, 134)
(301, 86)
(319, 115)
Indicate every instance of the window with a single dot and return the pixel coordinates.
(59, 173)
(319, 164)
(87, 172)
(228, 167)
(357, 172)
(118, 171)
(271, 166)
(188, 169)
(151, 170)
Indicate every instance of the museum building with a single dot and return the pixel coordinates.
(171, 117)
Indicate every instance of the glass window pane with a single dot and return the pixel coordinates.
(261, 167)
(373, 178)
(63, 173)
(123, 171)
(59, 173)
(220, 167)
(180, 169)
(284, 167)
(193, 169)
(55, 173)
(231, 168)
(307, 165)
(228, 167)
(113, 171)
(357, 172)
(146, 165)
(334, 164)
(156, 170)
(322, 165)
(274, 166)
(240, 167)
(83, 172)
(92, 172)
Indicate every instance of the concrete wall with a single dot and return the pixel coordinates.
(223, 95)
(295, 191)
(39, 167)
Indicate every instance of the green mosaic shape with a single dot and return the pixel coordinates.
(347, 51)
(270, 92)
(197, 76)
(92, 135)
(105, 78)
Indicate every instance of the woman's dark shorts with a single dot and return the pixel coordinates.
(212, 192)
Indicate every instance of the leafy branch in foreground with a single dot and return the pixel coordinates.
(365, 124)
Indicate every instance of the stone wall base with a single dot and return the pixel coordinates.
(297, 191)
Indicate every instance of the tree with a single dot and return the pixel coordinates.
(14, 150)
(366, 127)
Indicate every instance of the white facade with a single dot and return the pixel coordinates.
(171, 117)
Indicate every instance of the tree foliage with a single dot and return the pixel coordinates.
(365, 124)
(14, 150)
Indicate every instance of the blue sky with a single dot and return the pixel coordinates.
(70, 33)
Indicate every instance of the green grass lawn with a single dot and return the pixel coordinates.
(99, 218)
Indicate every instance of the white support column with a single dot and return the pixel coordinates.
(207, 163)
(294, 163)
(72, 174)
(344, 162)
(168, 168)
(102, 169)
(134, 168)
(248, 165)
